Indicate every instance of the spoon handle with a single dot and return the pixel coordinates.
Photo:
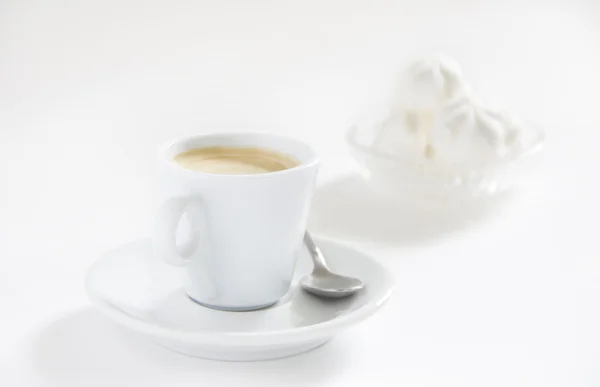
(315, 253)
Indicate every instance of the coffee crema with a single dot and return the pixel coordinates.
(230, 160)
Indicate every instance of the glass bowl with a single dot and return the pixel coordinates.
(408, 176)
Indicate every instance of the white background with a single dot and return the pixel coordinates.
(88, 90)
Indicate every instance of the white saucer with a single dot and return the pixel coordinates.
(144, 294)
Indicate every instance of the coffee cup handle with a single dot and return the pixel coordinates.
(165, 229)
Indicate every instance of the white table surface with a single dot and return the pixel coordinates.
(88, 90)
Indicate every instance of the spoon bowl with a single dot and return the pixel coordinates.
(331, 285)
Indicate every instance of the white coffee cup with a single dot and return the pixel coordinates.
(245, 231)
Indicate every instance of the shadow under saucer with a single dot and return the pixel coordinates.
(84, 348)
(346, 208)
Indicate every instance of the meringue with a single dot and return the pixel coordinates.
(429, 83)
(435, 111)
(472, 118)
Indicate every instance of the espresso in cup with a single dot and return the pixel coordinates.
(235, 160)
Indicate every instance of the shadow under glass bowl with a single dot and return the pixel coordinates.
(404, 176)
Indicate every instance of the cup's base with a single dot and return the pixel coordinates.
(232, 308)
